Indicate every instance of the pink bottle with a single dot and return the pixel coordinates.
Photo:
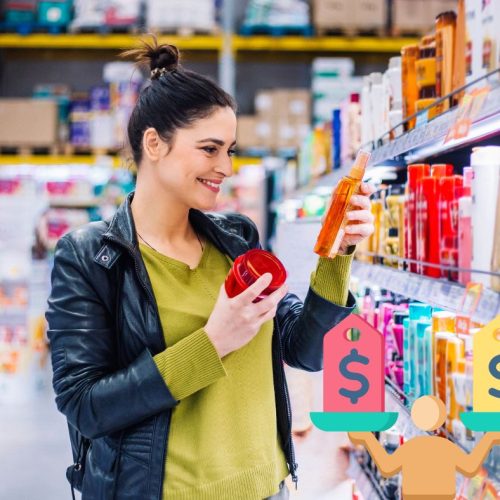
(465, 228)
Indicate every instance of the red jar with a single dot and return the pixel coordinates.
(249, 267)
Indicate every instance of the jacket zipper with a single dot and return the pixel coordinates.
(149, 293)
(293, 464)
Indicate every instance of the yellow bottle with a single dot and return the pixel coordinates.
(332, 231)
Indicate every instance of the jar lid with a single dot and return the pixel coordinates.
(258, 262)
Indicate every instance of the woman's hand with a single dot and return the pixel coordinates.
(360, 217)
(236, 321)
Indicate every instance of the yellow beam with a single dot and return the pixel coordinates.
(238, 161)
(320, 44)
(116, 161)
(100, 42)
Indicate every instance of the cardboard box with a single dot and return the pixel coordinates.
(264, 104)
(371, 14)
(246, 136)
(333, 14)
(412, 16)
(28, 122)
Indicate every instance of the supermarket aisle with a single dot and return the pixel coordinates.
(34, 450)
(34, 454)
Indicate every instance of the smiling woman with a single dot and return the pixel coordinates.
(171, 388)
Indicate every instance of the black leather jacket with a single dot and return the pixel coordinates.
(104, 328)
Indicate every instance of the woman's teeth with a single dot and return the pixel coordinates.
(208, 183)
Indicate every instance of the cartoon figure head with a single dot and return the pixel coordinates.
(428, 413)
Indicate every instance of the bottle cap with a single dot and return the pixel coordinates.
(400, 316)
(358, 169)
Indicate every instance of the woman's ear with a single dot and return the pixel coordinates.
(153, 145)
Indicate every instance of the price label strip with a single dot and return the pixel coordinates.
(353, 380)
(486, 382)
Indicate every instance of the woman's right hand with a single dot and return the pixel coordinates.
(236, 321)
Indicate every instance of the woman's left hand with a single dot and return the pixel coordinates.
(360, 217)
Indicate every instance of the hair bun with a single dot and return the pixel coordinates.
(160, 59)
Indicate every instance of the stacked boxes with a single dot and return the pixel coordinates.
(282, 120)
(28, 123)
(197, 15)
(350, 15)
(418, 16)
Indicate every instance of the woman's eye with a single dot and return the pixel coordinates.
(231, 152)
(210, 150)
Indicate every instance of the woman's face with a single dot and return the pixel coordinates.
(199, 159)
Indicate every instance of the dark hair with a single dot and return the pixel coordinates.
(175, 99)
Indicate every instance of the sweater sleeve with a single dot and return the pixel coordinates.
(330, 280)
(190, 365)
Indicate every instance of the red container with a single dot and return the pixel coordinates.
(451, 189)
(249, 267)
(441, 170)
(415, 174)
(428, 226)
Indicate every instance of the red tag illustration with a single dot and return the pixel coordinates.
(353, 379)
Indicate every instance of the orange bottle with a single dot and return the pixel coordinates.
(332, 232)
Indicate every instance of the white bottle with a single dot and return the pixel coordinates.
(485, 162)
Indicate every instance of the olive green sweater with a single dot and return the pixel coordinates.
(223, 441)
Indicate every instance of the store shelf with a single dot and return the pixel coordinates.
(207, 42)
(104, 41)
(428, 140)
(436, 292)
(320, 44)
(116, 161)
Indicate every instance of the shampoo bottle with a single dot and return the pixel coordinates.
(332, 231)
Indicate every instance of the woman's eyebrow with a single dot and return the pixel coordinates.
(219, 142)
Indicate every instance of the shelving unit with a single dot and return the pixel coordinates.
(207, 42)
(428, 140)
(436, 292)
(114, 161)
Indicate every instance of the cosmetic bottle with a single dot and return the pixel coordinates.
(445, 43)
(426, 75)
(415, 174)
(332, 231)
(465, 229)
(409, 56)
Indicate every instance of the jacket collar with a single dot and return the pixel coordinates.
(122, 231)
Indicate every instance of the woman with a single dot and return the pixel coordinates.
(180, 389)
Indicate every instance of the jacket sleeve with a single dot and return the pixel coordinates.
(302, 325)
(96, 397)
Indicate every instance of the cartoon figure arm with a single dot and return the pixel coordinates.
(469, 464)
(388, 464)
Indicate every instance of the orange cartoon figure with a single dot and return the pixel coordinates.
(428, 463)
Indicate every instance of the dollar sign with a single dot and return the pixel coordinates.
(354, 357)
(495, 372)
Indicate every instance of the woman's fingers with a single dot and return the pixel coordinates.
(363, 230)
(360, 216)
(360, 201)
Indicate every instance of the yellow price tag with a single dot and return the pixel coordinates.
(486, 384)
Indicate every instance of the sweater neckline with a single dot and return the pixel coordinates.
(175, 262)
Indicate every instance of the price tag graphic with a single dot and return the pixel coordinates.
(353, 380)
(486, 383)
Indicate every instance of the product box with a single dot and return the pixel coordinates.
(28, 122)
(180, 14)
(264, 104)
(333, 14)
(55, 12)
(371, 14)
(247, 136)
(414, 16)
